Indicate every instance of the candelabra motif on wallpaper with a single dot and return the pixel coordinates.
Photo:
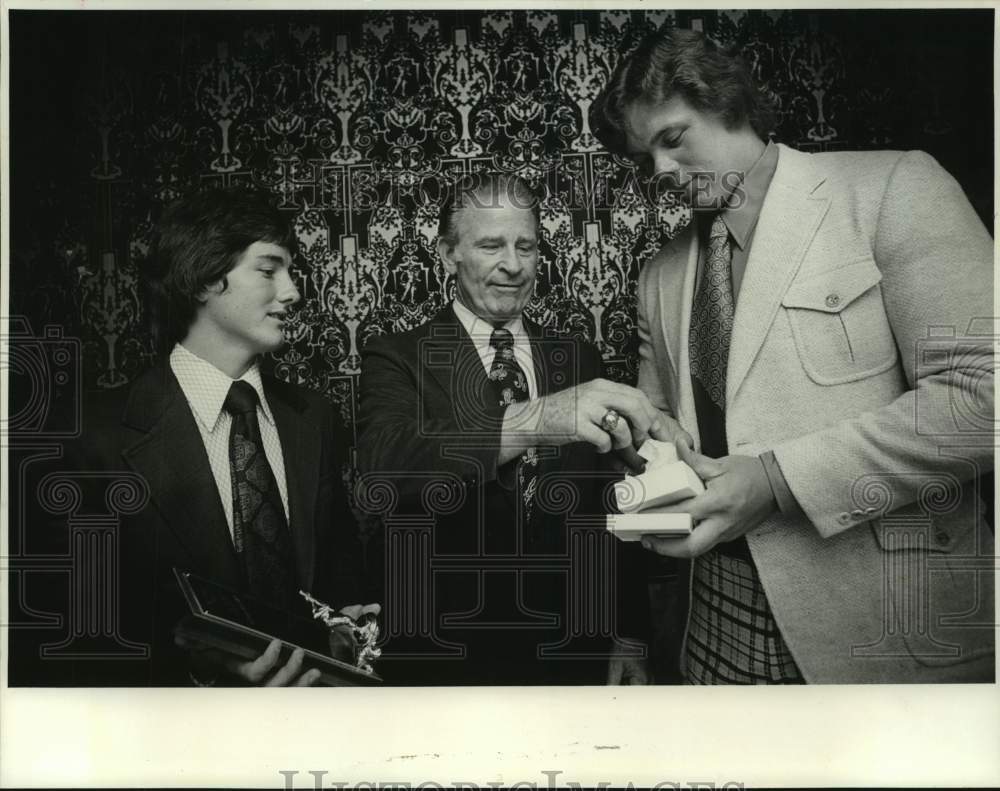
(355, 123)
(341, 86)
(224, 92)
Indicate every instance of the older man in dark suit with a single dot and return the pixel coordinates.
(506, 422)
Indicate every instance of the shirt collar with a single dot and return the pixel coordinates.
(480, 330)
(206, 387)
(741, 220)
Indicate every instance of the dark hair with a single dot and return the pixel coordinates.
(483, 190)
(686, 63)
(199, 239)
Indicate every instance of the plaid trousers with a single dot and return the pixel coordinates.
(732, 637)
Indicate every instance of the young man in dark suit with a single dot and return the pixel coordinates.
(494, 426)
(239, 469)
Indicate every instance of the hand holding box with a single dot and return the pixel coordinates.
(642, 498)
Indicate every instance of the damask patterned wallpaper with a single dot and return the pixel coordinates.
(352, 118)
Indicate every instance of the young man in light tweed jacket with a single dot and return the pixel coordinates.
(823, 329)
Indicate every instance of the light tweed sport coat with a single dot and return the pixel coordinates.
(862, 355)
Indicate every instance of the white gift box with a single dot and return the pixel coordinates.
(663, 484)
(632, 527)
(643, 498)
(657, 452)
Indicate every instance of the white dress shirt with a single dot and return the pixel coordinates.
(480, 331)
(205, 387)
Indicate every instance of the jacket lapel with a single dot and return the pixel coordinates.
(546, 368)
(447, 356)
(788, 221)
(677, 278)
(676, 288)
(301, 449)
(171, 457)
(556, 366)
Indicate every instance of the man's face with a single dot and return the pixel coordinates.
(693, 150)
(495, 258)
(248, 316)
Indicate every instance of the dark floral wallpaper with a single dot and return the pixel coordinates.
(354, 118)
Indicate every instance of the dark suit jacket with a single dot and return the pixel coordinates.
(429, 440)
(147, 434)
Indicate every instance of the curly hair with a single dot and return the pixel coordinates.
(677, 62)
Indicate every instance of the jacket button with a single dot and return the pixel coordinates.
(844, 518)
(832, 300)
(942, 537)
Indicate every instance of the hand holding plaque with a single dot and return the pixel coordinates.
(260, 644)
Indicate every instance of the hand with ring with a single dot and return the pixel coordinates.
(610, 421)
(606, 414)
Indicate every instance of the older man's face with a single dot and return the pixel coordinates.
(495, 259)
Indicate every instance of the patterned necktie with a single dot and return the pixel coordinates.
(260, 530)
(712, 316)
(511, 386)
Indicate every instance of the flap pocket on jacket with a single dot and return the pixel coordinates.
(941, 606)
(831, 292)
(900, 534)
(841, 330)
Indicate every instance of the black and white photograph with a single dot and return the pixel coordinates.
(472, 357)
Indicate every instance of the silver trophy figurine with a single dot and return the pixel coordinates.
(364, 630)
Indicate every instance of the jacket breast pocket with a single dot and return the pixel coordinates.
(839, 324)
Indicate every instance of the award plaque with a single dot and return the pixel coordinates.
(242, 626)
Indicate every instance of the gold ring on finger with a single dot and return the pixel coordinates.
(610, 421)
